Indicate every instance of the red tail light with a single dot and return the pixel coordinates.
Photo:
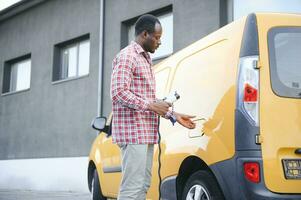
(252, 171)
(248, 88)
(250, 93)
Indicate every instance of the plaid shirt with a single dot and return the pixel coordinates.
(132, 89)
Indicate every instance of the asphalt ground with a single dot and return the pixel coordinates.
(42, 195)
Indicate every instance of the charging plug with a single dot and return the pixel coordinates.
(171, 98)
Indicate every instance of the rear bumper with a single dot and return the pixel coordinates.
(235, 186)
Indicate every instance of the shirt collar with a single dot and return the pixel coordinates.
(140, 50)
(137, 47)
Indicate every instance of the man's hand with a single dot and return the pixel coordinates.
(159, 107)
(185, 120)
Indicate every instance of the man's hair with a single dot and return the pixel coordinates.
(146, 23)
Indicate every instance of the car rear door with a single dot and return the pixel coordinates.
(280, 100)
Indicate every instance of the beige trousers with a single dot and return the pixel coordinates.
(137, 161)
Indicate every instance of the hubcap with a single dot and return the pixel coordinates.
(197, 192)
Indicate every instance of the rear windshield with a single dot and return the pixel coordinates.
(285, 60)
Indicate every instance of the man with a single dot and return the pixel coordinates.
(136, 109)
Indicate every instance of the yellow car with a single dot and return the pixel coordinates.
(243, 82)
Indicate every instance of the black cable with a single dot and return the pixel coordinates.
(159, 157)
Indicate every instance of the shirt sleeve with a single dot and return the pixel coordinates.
(121, 79)
(169, 114)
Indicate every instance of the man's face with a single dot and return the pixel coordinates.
(152, 40)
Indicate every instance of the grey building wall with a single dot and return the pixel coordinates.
(49, 120)
(193, 20)
(53, 120)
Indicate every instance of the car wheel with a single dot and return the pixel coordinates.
(96, 190)
(201, 185)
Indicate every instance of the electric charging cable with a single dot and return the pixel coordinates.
(159, 158)
(173, 121)
(171, 98)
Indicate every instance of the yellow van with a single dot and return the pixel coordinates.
(243, 82)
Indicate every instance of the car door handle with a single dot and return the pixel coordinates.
(298, 151)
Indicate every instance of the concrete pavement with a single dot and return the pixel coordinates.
(42, 195)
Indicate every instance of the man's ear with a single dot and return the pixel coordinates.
(144, 34)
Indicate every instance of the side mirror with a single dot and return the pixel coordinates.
(99, 123)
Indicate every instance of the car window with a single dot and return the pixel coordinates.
(285, 61)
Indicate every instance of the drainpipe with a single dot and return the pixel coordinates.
(100, 64)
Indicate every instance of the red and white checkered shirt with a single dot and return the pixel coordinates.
(132, 89)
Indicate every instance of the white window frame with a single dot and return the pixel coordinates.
(20, 82)
(65, 67)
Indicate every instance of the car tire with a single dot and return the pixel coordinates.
(96, 190)
(202, 185)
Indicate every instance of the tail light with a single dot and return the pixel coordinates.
(248, 88)
(252, 171)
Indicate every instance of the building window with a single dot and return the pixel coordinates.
(17, 73)
(166, 47)
(71, 59)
